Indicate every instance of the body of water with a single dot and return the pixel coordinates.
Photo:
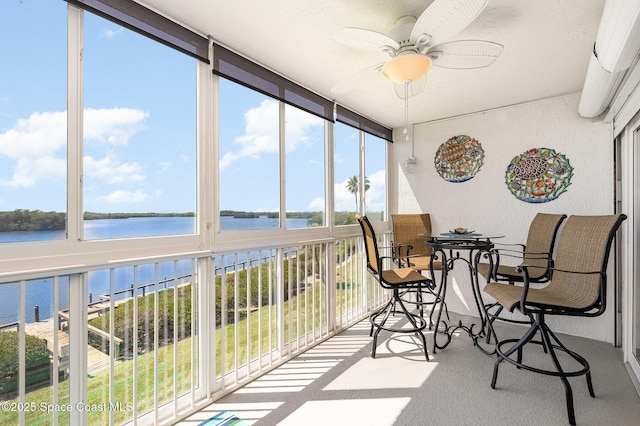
(39, 294)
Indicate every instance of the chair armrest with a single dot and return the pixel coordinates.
(400, 252)
(522, 246)
(525, 288)
(494, 259)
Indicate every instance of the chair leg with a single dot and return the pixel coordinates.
(550, 344)
(414, 324)
(577, 358)
(386, 310)
(516, 347)
(567, 387)
(417, 322)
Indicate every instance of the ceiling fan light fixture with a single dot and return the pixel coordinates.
(410, 67)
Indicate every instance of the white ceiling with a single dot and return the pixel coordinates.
(547, 44)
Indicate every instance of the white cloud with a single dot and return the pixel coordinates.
(375, 194)
(316, 204)
(111, 33)
(114, 126)
(117, 197)
(29, 171)
(40, 135)
(163, 166)
(112, 171)
(262, 134)
(37, 144)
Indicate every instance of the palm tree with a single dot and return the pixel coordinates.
(353, 186)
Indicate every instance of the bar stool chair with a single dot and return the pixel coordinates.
(578, 287)
(396, 280)
(537, 254)
(410, 251)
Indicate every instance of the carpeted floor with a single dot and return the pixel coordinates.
(338, 383)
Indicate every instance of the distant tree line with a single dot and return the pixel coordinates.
(93, 215)
(31, 220)
(36, 220)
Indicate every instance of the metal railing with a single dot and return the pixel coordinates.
(170, 333)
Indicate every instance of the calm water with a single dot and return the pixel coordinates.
(41, 292)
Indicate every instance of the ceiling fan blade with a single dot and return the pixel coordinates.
(357, 78)
(465, 54)
(445, 18)
(415, 88)
(364, 39)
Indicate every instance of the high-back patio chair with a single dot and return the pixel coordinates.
(410, 250)
(396, 280)
(536, 253)
(408, 244)
(578, 287)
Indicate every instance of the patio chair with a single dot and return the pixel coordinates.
(396, 280)
(577, 288)
(409, 246)
(410, 250)
(537, 254)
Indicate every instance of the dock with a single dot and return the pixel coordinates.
(97, 361)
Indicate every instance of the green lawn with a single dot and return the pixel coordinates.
(124, 373)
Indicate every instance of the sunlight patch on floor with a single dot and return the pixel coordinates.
(394, 357)
(370, 412)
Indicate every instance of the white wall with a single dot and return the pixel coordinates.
(485, 204)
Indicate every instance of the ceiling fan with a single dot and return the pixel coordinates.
(414, 45)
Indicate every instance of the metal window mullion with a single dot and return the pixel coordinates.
(156, 337)
(260, 310)
(205, 325)
(363, 176)
(112, 312)
(176, 326)
(194, 313)
(56, 350)
(236, 327)
(296, 286)
(22, 370)
(346, 277)
(75, 105)
(290, 270)
(283, 164)
(269, 304)
(308, 286)
(223, 319)
(78, 346)
(134, 350)
(329, 177)
(248, 313)
(279, 284)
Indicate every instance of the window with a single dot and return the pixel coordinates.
(346, 171)
(249, 184)
(375, 177)
(305, 169)
(139, 135)
(33, 120)
(373, 181)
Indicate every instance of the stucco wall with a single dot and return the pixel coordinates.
(485, 204)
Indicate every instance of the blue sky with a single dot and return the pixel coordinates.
(140, 129)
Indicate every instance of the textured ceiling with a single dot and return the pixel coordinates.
(547, 44)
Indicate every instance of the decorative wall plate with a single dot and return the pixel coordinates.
(459, 158)
(538, 175)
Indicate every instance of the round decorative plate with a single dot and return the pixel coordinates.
(459, 158)
(538, 175)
